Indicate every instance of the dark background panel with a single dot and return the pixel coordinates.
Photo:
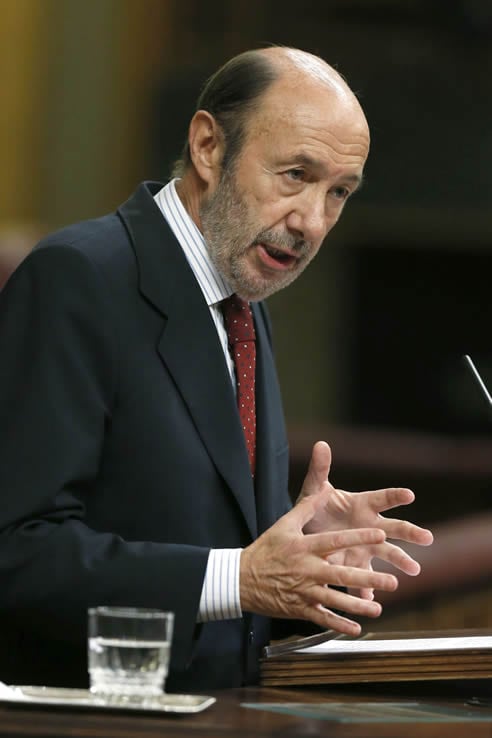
(417, 311)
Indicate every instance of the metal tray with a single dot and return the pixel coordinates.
(82, 698)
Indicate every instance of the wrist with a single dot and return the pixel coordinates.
(246, 581)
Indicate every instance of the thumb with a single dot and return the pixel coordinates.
(319, 468)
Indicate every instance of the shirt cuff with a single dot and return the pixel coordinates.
(220, 598)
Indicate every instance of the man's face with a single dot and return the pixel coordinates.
(302, 158)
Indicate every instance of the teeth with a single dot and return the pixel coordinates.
(275, 252)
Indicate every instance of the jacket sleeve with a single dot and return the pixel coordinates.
(58, 388)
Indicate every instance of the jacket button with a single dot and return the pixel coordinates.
(251, 637)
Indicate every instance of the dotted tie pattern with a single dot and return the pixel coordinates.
(240, 328)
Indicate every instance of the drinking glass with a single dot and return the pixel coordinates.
(129, 650)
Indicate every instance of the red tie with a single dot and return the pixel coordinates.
(240, 328)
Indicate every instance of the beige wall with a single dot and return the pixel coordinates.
(22, 38)
(74, 98)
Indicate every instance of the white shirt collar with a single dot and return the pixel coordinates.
(214, 287)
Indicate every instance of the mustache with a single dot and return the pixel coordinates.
(285, 240)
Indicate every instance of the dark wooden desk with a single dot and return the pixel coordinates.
(228, 718)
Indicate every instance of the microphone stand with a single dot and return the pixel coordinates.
(479, 380)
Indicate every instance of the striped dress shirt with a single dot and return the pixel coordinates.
(220, 598)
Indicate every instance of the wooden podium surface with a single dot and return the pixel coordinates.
(383, 657)
(228, 718)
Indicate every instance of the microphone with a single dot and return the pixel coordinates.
(478, 380)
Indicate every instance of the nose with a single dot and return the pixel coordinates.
(310, 218)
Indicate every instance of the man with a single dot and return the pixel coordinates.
(125, 471)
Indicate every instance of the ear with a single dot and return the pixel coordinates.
(206, 143)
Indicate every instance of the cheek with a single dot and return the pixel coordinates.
(262, 197)
(271, 212)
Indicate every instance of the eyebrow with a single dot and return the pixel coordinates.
(316, 165)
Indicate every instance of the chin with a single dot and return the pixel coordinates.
(257, 294)
(252, 285)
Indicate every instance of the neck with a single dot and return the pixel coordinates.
(191, 194)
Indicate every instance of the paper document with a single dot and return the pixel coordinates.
(399, 644)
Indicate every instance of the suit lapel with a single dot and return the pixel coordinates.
(189, 346)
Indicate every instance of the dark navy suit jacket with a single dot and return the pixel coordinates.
(122, 460)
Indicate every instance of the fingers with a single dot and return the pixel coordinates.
(361, 557)
(320, 461)
(402, 530)
(306, 508)
(387, 499)
(332, 621)
(349, 603)
(379, 500)
(322, 613)
(352, 577)
(283, 575)
(366, 593)
(389, 552)
(325, 618)
(323, 544)
(399, 558)
(309, 504)
(318, 470)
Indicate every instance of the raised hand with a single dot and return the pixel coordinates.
(288, 573)
(344, 510)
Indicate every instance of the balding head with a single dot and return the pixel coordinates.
(299, 77)
(234, 93)
(306, 66)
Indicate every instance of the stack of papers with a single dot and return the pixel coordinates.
(379, 657)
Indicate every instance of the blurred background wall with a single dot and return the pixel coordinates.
(96, 96)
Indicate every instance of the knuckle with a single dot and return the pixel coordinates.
(339, 539)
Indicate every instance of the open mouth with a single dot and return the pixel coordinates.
(275, 258)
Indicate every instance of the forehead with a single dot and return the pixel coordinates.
(316, 117)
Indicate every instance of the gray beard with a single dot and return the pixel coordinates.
(229, 234)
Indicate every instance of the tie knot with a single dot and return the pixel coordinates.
(238, 319)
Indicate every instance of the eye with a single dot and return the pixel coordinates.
(341, 193)
(296, 175)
